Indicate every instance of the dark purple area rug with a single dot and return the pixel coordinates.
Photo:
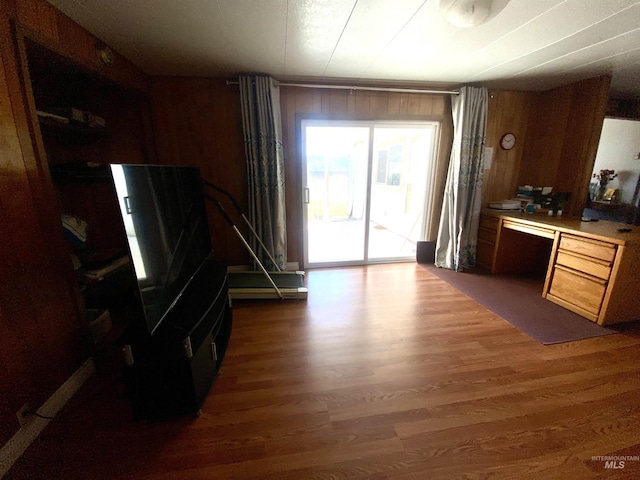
(518, 300)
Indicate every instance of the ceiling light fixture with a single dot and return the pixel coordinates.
(470, 13)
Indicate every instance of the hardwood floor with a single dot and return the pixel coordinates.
(385, 372)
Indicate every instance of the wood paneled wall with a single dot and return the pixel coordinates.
(40, 322)
(508, 112)
(557, 133)
(39, 329)
(298, 103)
(562, 138)
(198, 122)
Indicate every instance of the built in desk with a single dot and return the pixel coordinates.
(591, 268)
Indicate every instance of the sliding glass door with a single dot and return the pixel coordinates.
(401, 157)
(365, 189)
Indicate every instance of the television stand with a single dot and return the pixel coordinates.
(170, 372)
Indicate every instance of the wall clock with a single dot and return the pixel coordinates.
(508, 141)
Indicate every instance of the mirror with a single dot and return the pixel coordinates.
(615, 184)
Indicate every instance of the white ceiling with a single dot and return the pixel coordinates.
(528, 45)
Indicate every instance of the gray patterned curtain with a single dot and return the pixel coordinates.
(458, 234)
(260, 101)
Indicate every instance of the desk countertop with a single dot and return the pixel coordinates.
(601, 230)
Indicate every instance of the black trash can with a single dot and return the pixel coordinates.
(426, 252)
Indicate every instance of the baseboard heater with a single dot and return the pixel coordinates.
(259, 284)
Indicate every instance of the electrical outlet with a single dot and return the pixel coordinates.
(636, 156)
(23, 414)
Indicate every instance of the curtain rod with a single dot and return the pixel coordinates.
(347, 87)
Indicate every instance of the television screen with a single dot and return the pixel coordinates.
(165, 219)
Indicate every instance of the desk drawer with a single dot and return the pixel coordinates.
(595, 267)
(485, 254)
(530, 229)
(490, 223)
(578, 289)
(591, 248)
(487, 234)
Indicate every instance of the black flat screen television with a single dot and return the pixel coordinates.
(165, 219)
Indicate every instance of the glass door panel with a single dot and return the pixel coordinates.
(399, 180)
(337, 161)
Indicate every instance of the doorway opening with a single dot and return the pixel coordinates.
(367, 188)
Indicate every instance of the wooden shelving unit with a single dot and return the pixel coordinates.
(77, 154)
